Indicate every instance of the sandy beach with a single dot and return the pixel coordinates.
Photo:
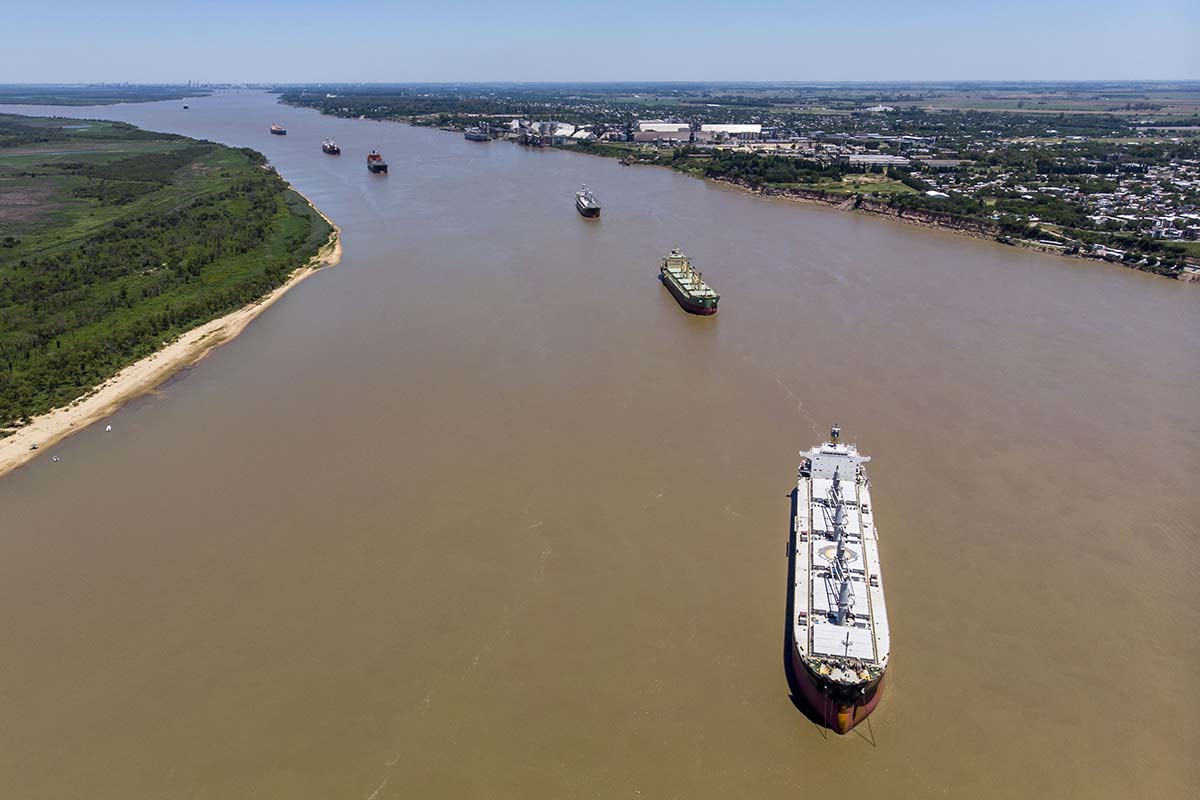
(142, 376)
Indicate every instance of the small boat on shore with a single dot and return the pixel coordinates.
(586, 203)
(686, 284)
(278, 129)
(331, 147)
(375, 163)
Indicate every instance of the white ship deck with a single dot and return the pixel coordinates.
(826, 588)
(680, 268)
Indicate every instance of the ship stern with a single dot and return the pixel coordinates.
(839, 708)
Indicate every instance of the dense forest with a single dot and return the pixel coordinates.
(188, 231)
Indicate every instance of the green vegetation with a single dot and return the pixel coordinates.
(62, 95)
(114, 240)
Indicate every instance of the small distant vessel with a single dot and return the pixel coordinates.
(586, 202)
(375, 162)
(185, 108)
(839, 628)
(278, 129)
(476, 135)
(331, 147)
(686, 284)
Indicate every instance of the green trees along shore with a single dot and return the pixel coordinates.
(114, 240)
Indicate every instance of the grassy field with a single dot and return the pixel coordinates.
(859, 184)
(1131, 101)
(58, 95)
(113, 240)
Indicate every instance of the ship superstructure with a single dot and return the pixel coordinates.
(840, 638)
(586, 202)
(687, 285)
(375, 162)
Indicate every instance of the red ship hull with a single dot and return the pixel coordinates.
(840, 711)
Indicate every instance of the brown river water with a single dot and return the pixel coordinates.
(480, 512)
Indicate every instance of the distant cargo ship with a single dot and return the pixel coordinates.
(586, 203)
(278, 129)
(686, 284)
(331, 147)
(840, 637)
(476, 135)
(375, 162)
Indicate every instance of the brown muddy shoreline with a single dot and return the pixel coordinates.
(925, 218)
(141, 377)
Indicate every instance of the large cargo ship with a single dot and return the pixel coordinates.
(687, 285)
(586, 203)
(840, 639)
(476, 135)
(375, 162)
(278, 129)
(331, 147)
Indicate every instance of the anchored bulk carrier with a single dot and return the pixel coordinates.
(331, 147)
(840, 639)
(586, 203)
(375, 162)
(686, 284)
(278, 129)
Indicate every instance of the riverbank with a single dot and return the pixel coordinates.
(878, 204)
(141, 377)
(924, 217)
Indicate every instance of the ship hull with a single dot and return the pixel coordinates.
(333, 151)
(686, 301)
(590, 213)
(279, 133)
(839, 708)
(378, 170)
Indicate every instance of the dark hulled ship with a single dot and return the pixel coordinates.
(586, 203)
(686, 284)
(840, 640)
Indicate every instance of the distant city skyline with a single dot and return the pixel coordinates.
(619, 40)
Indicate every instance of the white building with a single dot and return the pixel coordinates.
(737, 131)
(661, 126)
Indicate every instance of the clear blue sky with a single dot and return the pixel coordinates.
(598, 40)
